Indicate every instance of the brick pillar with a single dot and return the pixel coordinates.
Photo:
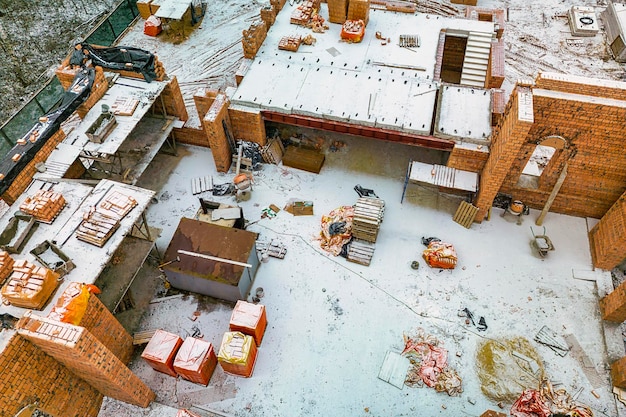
(613, 305)
(618, 373)
(608, 237)
(506, 142)
(105, 327)
(84, 355)
(248, 124)
(213, 123)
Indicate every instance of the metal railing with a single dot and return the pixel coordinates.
(106, 33)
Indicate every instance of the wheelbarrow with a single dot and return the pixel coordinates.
(541, 243)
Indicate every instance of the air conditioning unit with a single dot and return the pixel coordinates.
(615, 28)
(583, 21)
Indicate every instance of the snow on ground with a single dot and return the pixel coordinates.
(330, 321)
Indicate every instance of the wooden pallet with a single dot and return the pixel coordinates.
(465, 214)
(360, 252)
(273, 152)
(368, 214)
(141, 338)
(201, 184)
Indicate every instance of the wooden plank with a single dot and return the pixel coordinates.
(141, 338)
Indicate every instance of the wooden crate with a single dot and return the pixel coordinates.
(306, 159)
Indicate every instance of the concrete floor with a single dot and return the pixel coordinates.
(331, 322)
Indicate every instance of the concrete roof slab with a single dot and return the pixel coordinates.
(464, 113)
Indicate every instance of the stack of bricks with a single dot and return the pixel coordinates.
(29, 286)
(44, 205)
(488, 15)
(161, 351)
(98, 89)
(289, 43)
(237, 354)
(253, 38)
(250, 319)
(337, 11)
(6, 265)
(101, 222)
(268, 15)
(495, 74)
(278, 5)
(359, 10)
(25, 177)
(173, 101)
(247, 124)
(27, 372)
(470, 159)
(84, 355)
(213, 126)
(195, 361)
(302, 14)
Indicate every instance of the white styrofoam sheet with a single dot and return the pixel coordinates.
(464, 113)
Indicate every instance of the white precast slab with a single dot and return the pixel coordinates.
(316, 95)
(274, 86)
(464, 113)
(419, 114)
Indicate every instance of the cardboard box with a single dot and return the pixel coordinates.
(161, 351)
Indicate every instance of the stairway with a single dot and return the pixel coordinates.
(476, 62)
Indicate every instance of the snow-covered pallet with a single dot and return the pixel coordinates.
(201, 184)
(361, 252)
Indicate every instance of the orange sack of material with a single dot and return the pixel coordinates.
(440, 255)
(72, 304)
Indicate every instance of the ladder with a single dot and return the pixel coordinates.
(476, 62)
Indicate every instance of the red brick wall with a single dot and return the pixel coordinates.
(581, 85)
(98, 89)
(613, 306)
(25, 177)
(507, 139)
(77, 349)
(253, 38)
(490, 15)
(191, 136)
(105, 327)
(495, 75)
(203, 99)
(593, 130)
(173, 101)
(247, 125)
(28, 375)
(472, 160)
(608, 246)
(213, 126)
(618, 373)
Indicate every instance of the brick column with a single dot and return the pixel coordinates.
(248, 124)
(214, 128)
(77, 349)
(608, 237)
(613, 306)
(505, 145)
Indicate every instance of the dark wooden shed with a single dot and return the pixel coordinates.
(213, 260)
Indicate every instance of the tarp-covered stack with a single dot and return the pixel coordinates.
(6, 265)
(100, 222)
(72, 304)
(44, 205)
(237, 354)
(161, 351)
(29, 286)
(440, 255)
(249, 319)
(353, 30)
(196, 360)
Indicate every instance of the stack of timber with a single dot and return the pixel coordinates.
(273, 152)
(368, 214)
(44, 205)
(100, 222)
(29, 286)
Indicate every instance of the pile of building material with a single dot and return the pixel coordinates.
(253, 38)
(6, 266)
(368, 215)
(100, 222)
(289, 43)
(273, 152)
(237, 354)
(29, 286)
(249, 319)
(353, 31)
(44, 205)
(196, 360)
(161, 351)
(303, 14)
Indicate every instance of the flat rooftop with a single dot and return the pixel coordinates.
(370, 83)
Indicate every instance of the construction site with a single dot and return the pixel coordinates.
(323, 208)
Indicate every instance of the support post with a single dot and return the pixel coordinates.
(553, 194)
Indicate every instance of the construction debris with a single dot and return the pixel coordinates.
(440, 255)
(546, 402)
(429, 362)
(334, 243)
